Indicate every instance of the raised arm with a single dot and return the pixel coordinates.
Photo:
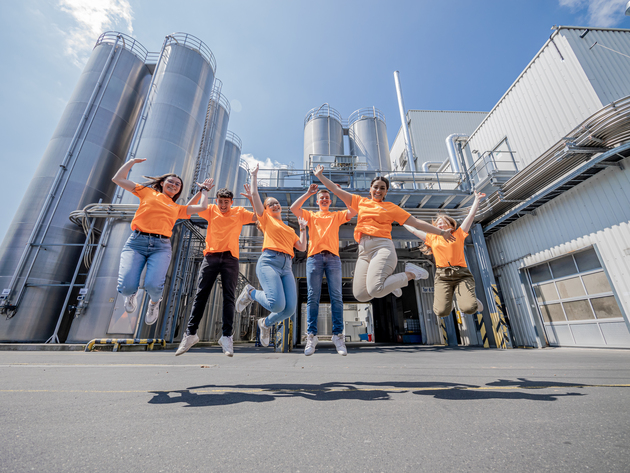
(259, 208)
(428, 228)
(248, 195)
(203, 203)
(301, 244)
(345, 196)
(209, 183)
(468, 221)
(414, 231)
(120, 178)
(296, 207)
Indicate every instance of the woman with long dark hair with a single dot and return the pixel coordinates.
(274, 267)
(149, 244)
(374, 272)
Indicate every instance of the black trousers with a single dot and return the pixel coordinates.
(214, 264)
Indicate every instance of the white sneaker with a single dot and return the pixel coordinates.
(479, 306)
(397, 292)
(227, 343)
(265, 332)
(340, 344)
(152, 312)
(244, 299)
(186, 344)
(130, 303)
(418, 272)
(311, 343)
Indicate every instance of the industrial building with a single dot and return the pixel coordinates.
(550, 249)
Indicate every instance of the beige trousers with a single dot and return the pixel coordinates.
(454, 281)
(373, 273)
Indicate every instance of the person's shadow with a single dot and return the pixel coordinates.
(220, 395)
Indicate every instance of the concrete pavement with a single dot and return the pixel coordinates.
(381, 408)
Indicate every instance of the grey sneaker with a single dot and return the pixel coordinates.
(152, 312)
(418, 272)
(186, 344)
(227, 343)
(311, 343)
(340, 344)
(244, 299)
(265, 332)
(479, 306)
(397, 292)
(130, 303)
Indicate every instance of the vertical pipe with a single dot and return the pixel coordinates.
(403, 119)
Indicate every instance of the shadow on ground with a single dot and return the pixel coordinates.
(220, 395)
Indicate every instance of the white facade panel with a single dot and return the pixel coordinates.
(429, 130)
(608, 71)
(595, 213)
(551, 97)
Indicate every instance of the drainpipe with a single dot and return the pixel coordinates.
(403, 119)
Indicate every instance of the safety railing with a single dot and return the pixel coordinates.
(364, 113)
(491, 163)
(192, 42)
(130, 44)
(221, 99)
(233, 137)
(360, 178)
(323, 110)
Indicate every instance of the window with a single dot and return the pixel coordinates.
(573, 288)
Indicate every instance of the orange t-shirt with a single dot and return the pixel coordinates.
(157, 212)
(278, 235)
(448, 253)
(224, 229)
(375, 218)
(323, 229)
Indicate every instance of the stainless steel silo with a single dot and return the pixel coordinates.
(88, 146)
(323, 133)
(215, 132)
(242, 178)
(229, 163)
(367, 135)
(170, 140)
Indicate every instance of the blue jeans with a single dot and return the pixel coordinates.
(279, 295)
(141, 250)
(316, 266)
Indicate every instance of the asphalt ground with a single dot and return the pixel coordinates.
(381, 408)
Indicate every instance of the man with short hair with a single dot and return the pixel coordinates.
(220, 257)
(323, 257)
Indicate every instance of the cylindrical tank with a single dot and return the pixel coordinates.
(323, 133)
(170, 141)
(242, 178)
(367, 135)
(215, 133)
(98, 126)
(229, 163)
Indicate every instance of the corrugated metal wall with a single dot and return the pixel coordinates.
(597, 212)
(429, 130)
(554, 94)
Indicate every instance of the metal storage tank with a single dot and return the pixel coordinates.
(323, 133)
(242, 178)
(88, 146)
(229, 163)
(367, 133)
(170, 140)
(214, 135)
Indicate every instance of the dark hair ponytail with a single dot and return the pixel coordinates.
(157, 183)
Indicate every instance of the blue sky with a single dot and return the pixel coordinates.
(279, 59)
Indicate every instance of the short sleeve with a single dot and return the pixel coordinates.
(246, 216)
(307, 215)
(400, 215)
(356, 200)
(183, 212)
(140, 191)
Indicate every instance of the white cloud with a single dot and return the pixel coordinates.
(267, 168)
(601, 13)
(92, 18)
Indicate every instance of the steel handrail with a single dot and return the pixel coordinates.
(233, 138)
(195, 44)
(129, 43)
(364, 113)
(324, 110)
